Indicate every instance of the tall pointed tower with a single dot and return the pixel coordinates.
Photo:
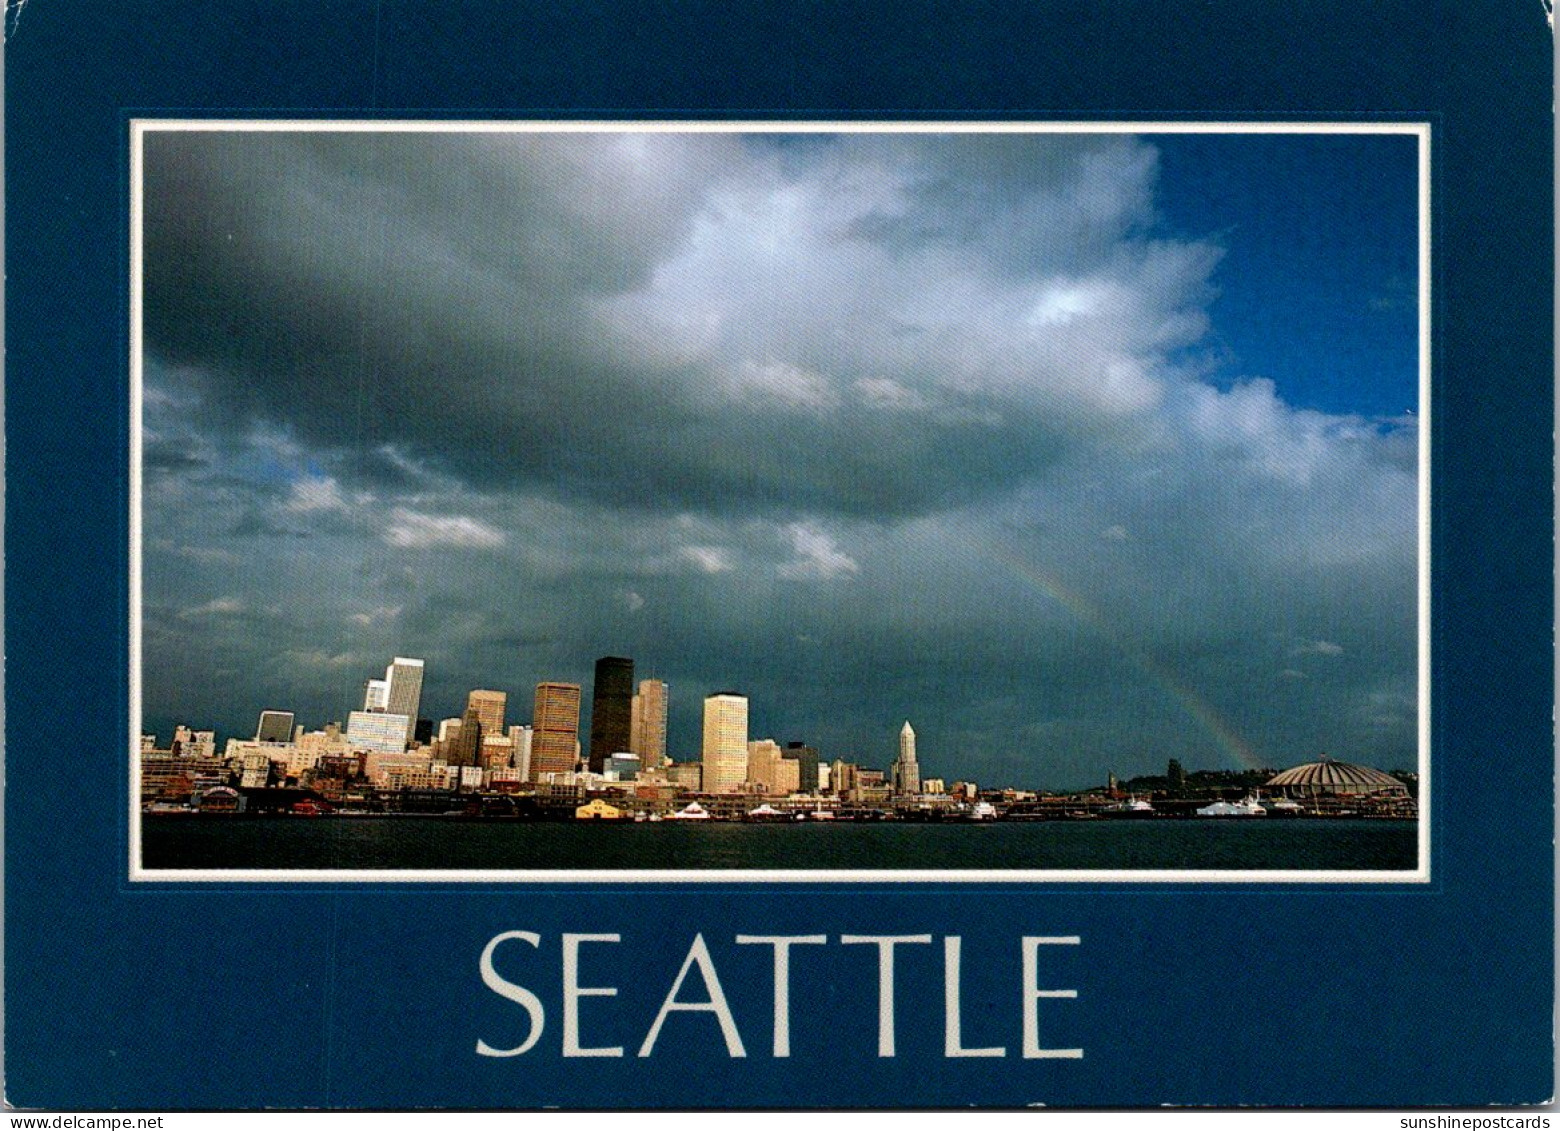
(907, 772)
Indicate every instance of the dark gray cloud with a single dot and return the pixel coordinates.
(871, 427)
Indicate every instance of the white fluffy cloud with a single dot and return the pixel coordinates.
(410, 530)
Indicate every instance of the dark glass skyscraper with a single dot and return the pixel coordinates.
(808, 757)
(611, 709)
(275, 726)
(468, 744)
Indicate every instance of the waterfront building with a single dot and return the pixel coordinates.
(610, 708)
(555, 725)
(377, 731)
(725, 750)
(825, 772)
(647, 724)
(219, 799)
(489, 706)
(505, 781)
(275, 726)
(934, 786)
(598, 810)
(906, 771)
(806, 758)
(174, 779)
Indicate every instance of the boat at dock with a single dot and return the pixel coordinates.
(1245, 807)
(1131, 809)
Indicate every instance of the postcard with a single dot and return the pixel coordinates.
(970, 603)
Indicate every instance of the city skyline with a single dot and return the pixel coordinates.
(1081, 451)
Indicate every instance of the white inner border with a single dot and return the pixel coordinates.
(140, 127)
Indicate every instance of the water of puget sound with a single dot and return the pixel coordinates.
(432, 843)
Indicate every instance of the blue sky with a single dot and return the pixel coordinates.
(1318, 286)
(1081, 453)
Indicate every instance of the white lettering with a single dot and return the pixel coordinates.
(953, 1044)
(885, 945)
(508, 990)
(573, 991)
(698, 954)
(1032, 1049)
(782, 945)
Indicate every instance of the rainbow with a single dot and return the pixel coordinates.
(1185, 697)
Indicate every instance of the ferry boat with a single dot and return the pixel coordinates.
(766, 812)
(1245, 807)
(1132, 808)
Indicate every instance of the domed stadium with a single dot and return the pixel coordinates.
(1336, 778)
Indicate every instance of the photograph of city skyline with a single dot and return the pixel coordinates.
(1080, 457)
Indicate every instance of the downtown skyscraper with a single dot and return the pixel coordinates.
(275, 726)
(725, 750)
(906, 773)
(489, 706)
(647, 726)
(399, 693)
(611, 706)
(555, 725)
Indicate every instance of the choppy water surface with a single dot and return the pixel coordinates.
(410, 843)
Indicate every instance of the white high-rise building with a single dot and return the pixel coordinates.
(377, 731)
(399, 693)
(725, 751)
(405, 677)
(520, 736)
(906, 771)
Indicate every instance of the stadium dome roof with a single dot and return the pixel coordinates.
(1328, 776)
